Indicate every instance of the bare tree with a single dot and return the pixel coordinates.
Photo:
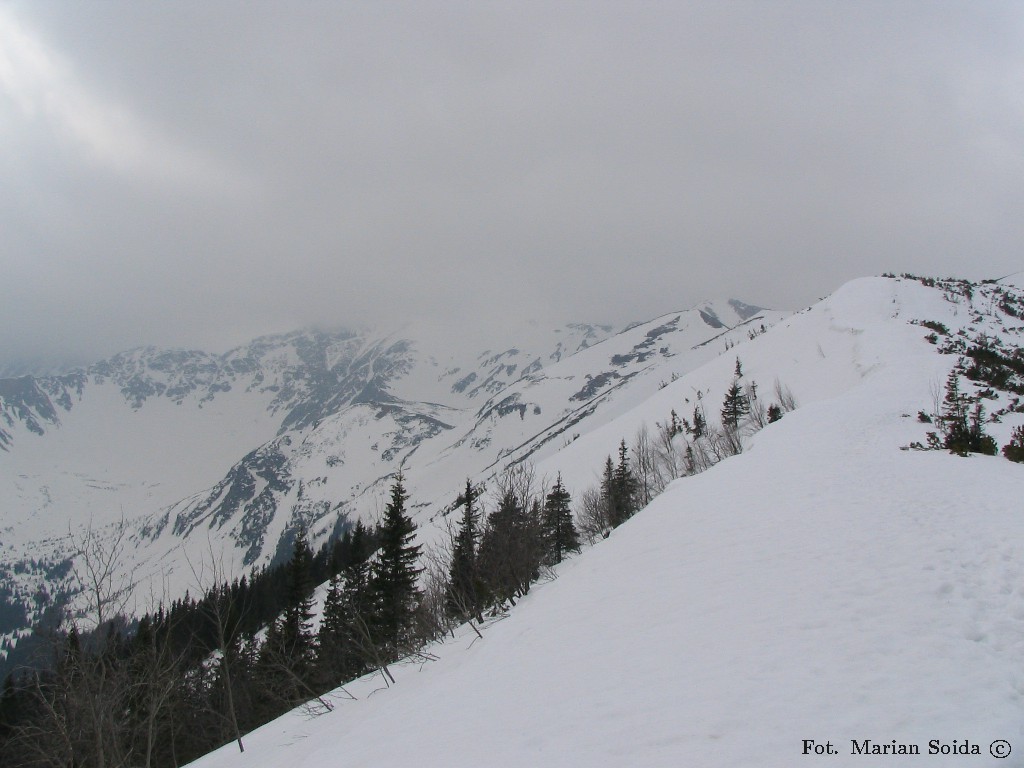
(645, 467)
(592, 515)
(79, 703)
(94, 682)
(667, 457)
(155, 672)
(374, 654)
(520, 480)
(442, 602)
(433, 618)
(757, 417)
(224, 616)
(784, 397)
(98, 568)
(49, 735)
(103, 699)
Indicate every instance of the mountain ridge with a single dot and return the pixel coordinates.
(832, 583)
(237, 451)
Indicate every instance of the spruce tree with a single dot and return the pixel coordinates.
(356, 571)
(1014, 450)
(979, 441)
(511, 549)
(620, 490)
(297, 622)
(700, 424)
(963, 429)
(559, 530)
(675, 426)
(734, 407)
(954, 416)
(340, 553)
(464, 593)
(689, 461)
(237, 685)
(332, 639)
(286, 659)
(341, 642)
(625, 489)
(393, 577)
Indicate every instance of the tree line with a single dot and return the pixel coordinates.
(170, 686)
(679, 446)
(203, 672)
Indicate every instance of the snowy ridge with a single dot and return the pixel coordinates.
(824, 585)
(196, 453)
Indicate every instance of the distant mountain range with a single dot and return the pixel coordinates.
(184, 456)
(836, 588)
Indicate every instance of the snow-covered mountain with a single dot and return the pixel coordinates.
(833, 590)
(181, 456)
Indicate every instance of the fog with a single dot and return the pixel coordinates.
(196, 174)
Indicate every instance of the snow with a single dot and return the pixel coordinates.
(106, 460)
(154, 461)
(824, 585)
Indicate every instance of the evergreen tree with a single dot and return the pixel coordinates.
(288, 654)
(332, 639)
(10, 709)
(393, 578)
(340, 553)
(235, 694)
(153, 675)
(700, 424)
(464, 593)
(734, 407)
(620, 489)
(963, 429)
(559, 530)
(954, 411)
(356, 570)
(689, 461)
(774, 413)
(511, 549)
(979, 441)
(297, 622)
(1014, 450)
(625, 488)
(607, 496)
(347, 613)
(675, 426)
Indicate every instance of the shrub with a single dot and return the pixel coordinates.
(1014, 450)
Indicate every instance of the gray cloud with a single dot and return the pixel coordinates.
(197, 173)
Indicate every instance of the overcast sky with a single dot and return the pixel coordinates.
(197, 173)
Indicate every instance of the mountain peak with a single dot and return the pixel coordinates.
(725, 313)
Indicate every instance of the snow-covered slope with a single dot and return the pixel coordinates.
(826, 585)
(191, 455)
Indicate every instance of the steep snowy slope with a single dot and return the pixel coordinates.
(823, 586)
(337, 469)
(191, 450)
(183, 456)
(347, 462)
(863, 330)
